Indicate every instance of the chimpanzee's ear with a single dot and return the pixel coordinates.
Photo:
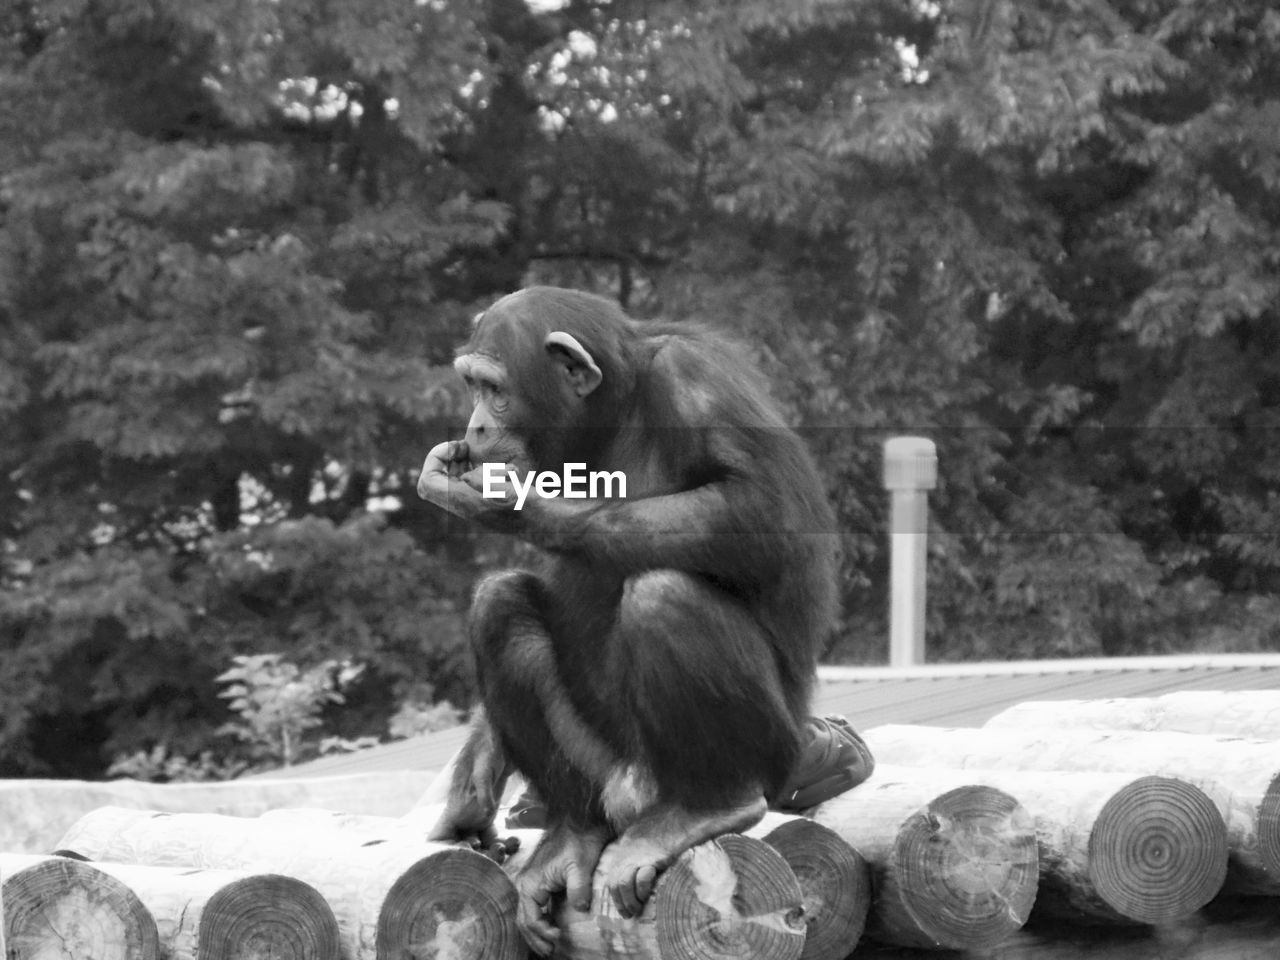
(574, 360)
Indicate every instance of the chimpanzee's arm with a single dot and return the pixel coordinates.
(721, 527)
(743, 520)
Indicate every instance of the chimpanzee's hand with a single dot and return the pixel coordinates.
(450, 480)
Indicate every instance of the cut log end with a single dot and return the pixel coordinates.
(455, 903)
(835, 886)
(732, 897)
(968, 867)
(1158, 850)
(58, 909)
(1269, 830)
(268, 916)
(727, 899)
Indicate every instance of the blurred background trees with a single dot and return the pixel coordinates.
(240, 239)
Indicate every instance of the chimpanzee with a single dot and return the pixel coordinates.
(651, 679)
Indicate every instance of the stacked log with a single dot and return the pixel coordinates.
(1241, 777)
(949, 845)
(1245, 713)
(835, 882)
(392, 896)
(953, 867)
(35, 813)
(59, 909)
(833, 878)
(216, 914)
(1113, 847)
(732, 898)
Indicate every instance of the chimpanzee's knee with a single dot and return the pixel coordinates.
(696, 659)
(500, 601)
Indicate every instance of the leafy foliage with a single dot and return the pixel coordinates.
(238, 241)
(158, 765)
(276, 702)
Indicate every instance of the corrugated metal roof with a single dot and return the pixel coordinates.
(970, 699)
(949, 695)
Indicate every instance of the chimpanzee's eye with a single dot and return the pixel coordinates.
(494, 396)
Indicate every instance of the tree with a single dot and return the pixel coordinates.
(239, 240)
(222, 331)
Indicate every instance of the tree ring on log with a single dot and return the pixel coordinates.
(1158, 850)
(731, 897)
(455, 903)
(835, 886)
(268, 915)
(968, 867)
(1269, 829)
(60, 909)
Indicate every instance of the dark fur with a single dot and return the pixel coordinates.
(683, 624)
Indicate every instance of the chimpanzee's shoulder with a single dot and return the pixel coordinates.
(689, 348)
(710, 377)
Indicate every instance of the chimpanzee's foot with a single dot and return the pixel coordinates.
(653, 841)
(564, 861)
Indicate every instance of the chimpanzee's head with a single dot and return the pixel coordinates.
(548, 370)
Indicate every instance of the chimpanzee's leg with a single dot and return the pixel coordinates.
(524, 697)
(504, 607)
(537, 729)
(712, 720)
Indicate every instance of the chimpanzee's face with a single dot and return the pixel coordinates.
(493, 430)
(529, 390)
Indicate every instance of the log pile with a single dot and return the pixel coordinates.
(392, 895)
(1137, 822)
(729, 898)
(1241, 777)
(104, 910)
(1113, 847)
(208, 914)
